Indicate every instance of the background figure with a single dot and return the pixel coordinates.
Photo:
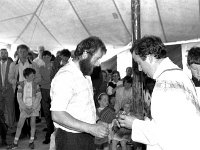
(61, 59)
(3, 129)
(28, 96)
(123, 93)
(39, 60)
(105, 114)
(122, 135)
(16, 76)
(45, 90)
(173, 100)
(7, 104)
(96, 82)
(193, 62)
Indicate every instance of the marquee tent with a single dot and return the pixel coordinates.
(58, 24)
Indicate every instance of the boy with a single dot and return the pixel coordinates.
(28, 96)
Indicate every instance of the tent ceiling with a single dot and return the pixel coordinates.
(60, 24)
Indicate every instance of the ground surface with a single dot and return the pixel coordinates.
(23, 143)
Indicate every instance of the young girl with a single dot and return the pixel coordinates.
(122, 135)
(105, 114)
(28, 96)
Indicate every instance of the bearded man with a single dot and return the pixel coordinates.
(6, 91)
(72, 106)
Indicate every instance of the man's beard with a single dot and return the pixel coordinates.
(86, 67)
(4, 58)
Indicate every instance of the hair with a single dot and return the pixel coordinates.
(100, 96)
(52, 57)
(28, 71)
(109, 70)
(127, 79)
(89, 45)
(23, 46)
(116, 72)
(128, 68)
(46, 53)
(104, 71)
(3, 49)
(65, 53)
(129, 103)
(30, 54)
(193, 56)
(149, 84)
(149, 45)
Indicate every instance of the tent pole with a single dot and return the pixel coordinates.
(137, 75)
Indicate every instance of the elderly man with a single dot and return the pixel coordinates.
(39, 60)
(72, 106)
(174, 105)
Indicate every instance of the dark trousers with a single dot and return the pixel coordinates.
(46, 104)
(3, 126)
(73, 141)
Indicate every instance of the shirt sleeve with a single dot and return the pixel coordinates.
(144, 131)
(61, 91)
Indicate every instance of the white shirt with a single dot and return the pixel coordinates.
(28, 97)
(176, 119)
(3, 71)
(39, 62)
(21, 69)
(73, 93)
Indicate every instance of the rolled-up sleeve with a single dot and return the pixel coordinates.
(61, 92)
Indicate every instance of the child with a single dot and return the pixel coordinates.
(105, 114)
(28, 96)
(122, 135)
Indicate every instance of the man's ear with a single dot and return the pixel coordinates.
(149, 59)
(188, 66)
(84, 55)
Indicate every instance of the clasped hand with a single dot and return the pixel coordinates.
(125, 121)
(28, 110)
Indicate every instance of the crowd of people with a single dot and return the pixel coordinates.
(87, 108)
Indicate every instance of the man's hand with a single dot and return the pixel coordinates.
(99, 130)
(126, 121)
(28, 110)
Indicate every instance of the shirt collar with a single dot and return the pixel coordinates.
(164, 65)
(4, 62)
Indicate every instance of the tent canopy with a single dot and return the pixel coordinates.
(58, 24)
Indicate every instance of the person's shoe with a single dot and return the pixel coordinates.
(12, 146)
(46, 141)
(31, 145)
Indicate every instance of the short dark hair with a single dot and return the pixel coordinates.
(46, 53)
(28, 71)
(90, 45)
(193, 56)
(23, 46)
(65, 53)
(3, 49)
(116, 72)
(149, 45)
